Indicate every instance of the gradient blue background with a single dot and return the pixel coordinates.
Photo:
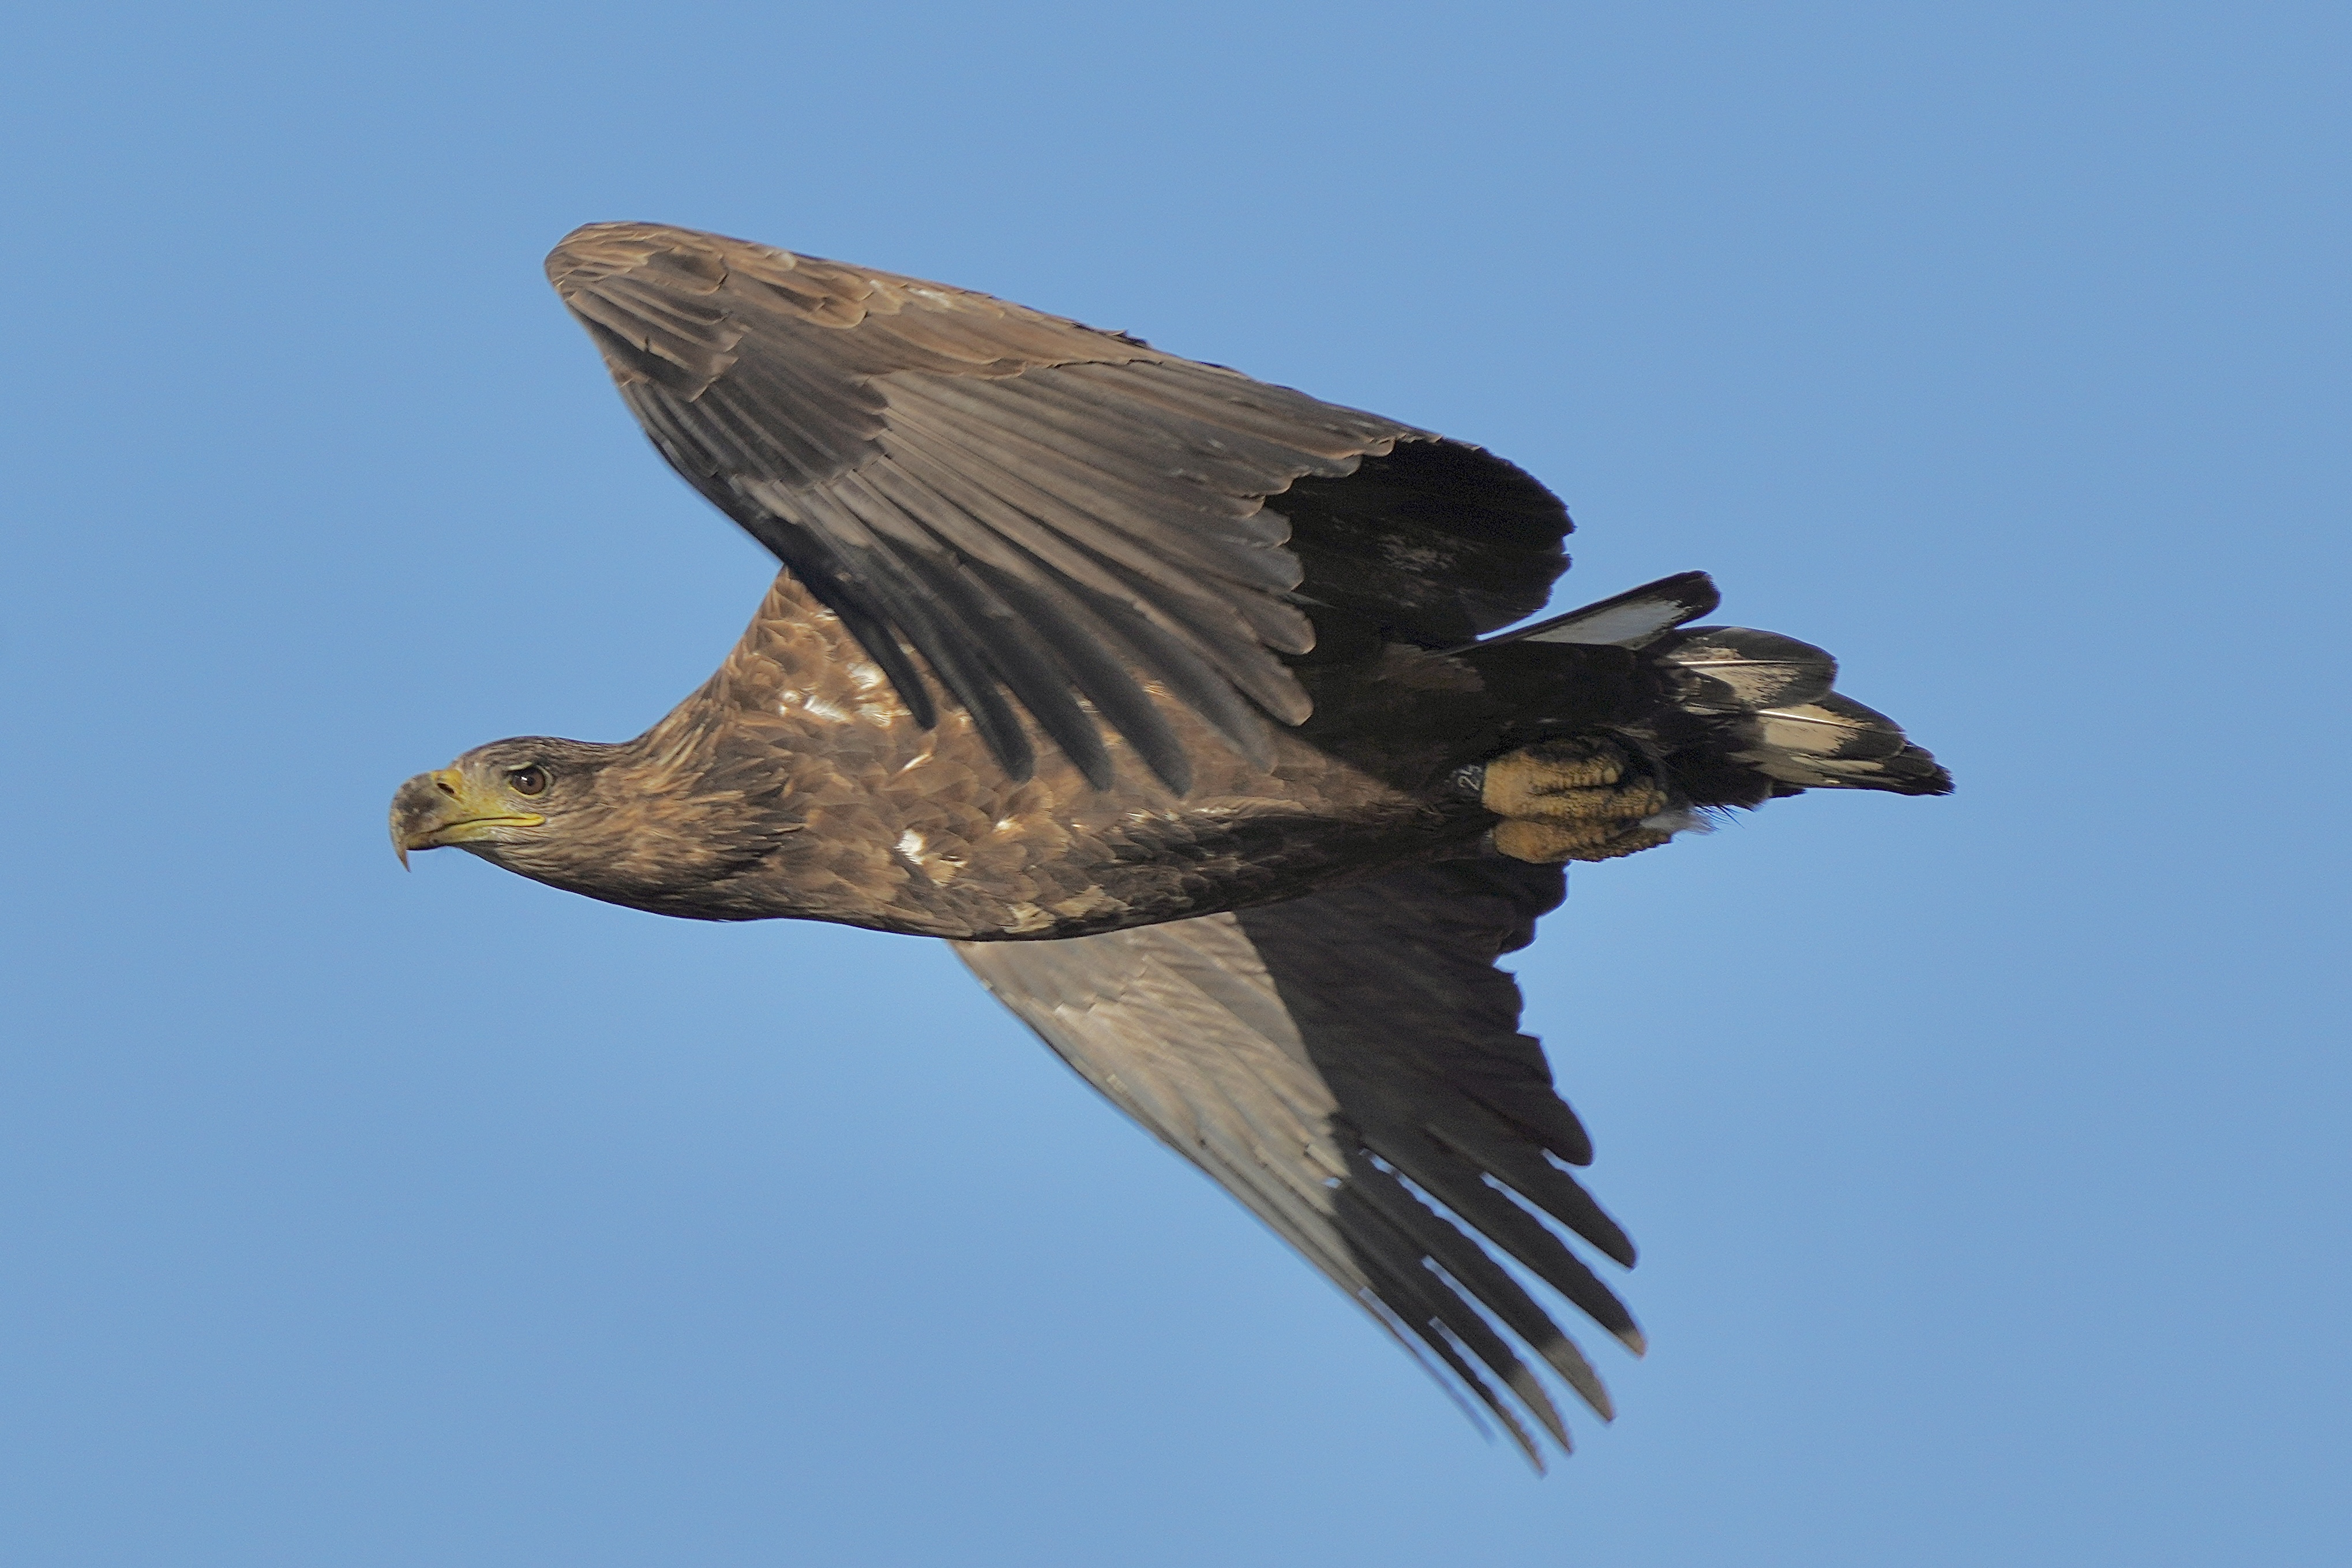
(1987, 1155)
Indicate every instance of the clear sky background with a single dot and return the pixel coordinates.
(1987, 1155)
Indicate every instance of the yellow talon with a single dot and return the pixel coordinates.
(1548, 844)
(1528, 782)
(1564, 800)
(1568, 780)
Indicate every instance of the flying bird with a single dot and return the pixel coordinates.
(1180, 704)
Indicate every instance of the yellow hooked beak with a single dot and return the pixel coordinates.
(444, 808)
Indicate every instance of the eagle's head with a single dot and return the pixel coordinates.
(517, 803)
(650, 823)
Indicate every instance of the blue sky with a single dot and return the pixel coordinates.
(1987, 1153)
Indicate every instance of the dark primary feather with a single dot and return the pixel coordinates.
(1350, 1066)
(1044, 512)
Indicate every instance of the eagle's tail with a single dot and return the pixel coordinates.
(1728, 717)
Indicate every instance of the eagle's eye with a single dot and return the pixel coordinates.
(531, 780)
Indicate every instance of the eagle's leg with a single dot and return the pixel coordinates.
(1572, 800)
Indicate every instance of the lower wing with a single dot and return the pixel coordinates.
(1350, 1066)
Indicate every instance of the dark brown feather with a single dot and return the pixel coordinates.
(926, 459)
(1333, 1061)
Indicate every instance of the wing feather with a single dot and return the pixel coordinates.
(928, 461)
(1339, 1063)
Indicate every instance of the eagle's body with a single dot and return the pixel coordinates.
(797, 783)
(1235, 806)
(916, 830)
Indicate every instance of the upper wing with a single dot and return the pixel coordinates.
(1040, 510)
(1339, 1061)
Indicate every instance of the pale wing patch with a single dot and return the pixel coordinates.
(1623, 626)
(817, 706)
(1630, 619)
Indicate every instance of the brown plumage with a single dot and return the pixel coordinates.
(1224, 798)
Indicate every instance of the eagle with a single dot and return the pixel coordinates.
(1181, 705)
